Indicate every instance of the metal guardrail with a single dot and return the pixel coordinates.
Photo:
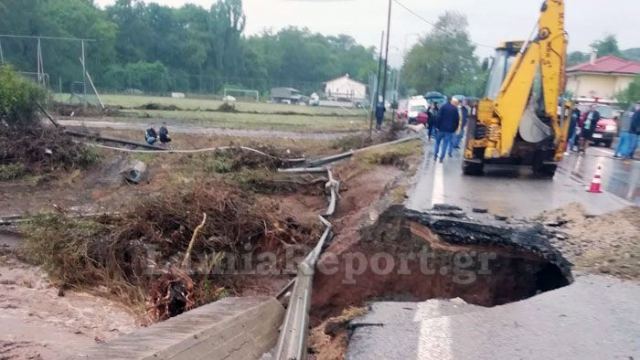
(345, 155)
(292, 342)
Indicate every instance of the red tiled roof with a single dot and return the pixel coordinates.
(608, 64)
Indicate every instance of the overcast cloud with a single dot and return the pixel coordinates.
(491, 21)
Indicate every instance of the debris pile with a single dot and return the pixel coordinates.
(608, 244)
(150, 252)
(39, 150)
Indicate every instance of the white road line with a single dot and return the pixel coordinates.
(437, 194)
(607, 152)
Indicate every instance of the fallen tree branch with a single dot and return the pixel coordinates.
(185, 261)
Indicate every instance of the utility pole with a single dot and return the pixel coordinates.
(386, 56)
(84, 74)
(377, 91)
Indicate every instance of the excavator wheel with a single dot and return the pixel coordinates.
(472, 168)
(545, 171)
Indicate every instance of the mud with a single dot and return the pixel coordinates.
(443, 253)
(41, 322)
(604, 244)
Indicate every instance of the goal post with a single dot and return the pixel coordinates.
(243, 94)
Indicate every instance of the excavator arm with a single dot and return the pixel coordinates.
(545, 54)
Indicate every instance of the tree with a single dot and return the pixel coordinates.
(631, 94)
(607, 46)
(188, 48)
(577, 57)
(443, 60)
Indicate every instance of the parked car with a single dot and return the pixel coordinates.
(417, 105)
(286, 96)
(607, 128)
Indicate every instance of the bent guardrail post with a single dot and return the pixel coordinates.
(292, 342)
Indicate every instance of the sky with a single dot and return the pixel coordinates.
(490, 21)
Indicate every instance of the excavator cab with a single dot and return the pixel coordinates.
(517, 122)
(502, 62)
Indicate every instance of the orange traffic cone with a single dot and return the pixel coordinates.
(596, 183)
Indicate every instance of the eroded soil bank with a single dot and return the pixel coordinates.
(443, 253)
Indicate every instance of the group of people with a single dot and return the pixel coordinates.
(583, 126)
(152, 136)
(447, 124)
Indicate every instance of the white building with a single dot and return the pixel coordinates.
(346, 89)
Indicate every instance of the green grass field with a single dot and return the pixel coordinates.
(299, 123)
(251, 116)
(195, 104)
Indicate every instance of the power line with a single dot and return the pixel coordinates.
(435, 26)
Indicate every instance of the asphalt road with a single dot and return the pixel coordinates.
(596, 317)
(516, 192)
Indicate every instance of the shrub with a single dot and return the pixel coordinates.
(19, 99)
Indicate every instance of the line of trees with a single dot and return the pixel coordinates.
(608, 45)
(443, 60)
(157, 48)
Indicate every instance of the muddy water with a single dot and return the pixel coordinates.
(38, 323)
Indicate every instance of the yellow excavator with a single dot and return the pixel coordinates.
(520, 120)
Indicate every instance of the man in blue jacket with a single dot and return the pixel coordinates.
(630, 127)
(446, 127)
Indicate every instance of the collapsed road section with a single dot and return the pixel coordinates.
(442, 253)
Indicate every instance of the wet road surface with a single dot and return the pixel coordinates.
(596, 317)
(553, 325)
(515, 192)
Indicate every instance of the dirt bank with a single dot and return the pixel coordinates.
(606, 244)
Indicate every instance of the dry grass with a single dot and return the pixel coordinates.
(392, 155)
(136, 254)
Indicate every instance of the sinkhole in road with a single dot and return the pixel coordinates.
(442, 253)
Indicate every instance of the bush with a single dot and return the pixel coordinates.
(19, 99)
(11, 171)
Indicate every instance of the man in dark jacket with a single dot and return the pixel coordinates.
(380, 110)
(634, 132)
(588, 127)
(573, 129)
(433, 118)
(464, 113)
(446, 126)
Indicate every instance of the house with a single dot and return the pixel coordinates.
(602, 78)
(345, 89)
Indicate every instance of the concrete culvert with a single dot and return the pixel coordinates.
(443, 253)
